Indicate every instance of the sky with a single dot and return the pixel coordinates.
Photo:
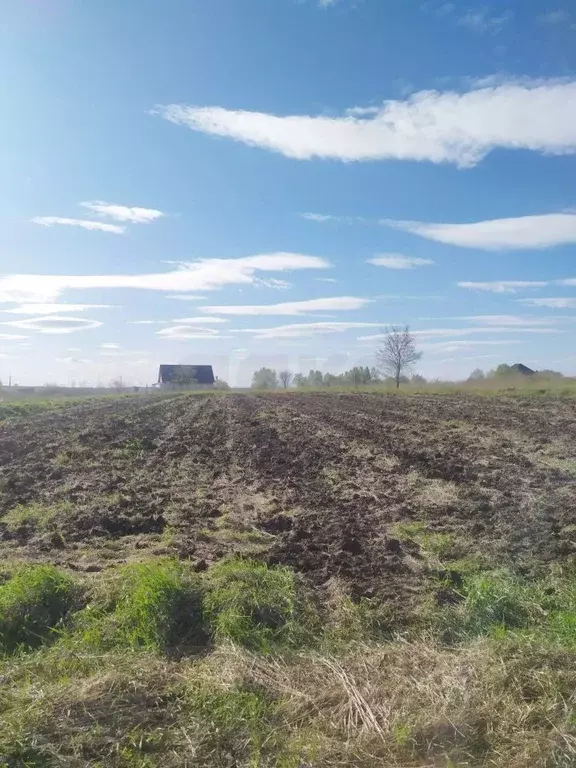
(273, 182)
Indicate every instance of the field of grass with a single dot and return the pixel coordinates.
(315, 579)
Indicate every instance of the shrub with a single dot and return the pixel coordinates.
(257, 606)
(33, 602)
(152, 605)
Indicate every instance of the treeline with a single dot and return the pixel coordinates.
(359, 376)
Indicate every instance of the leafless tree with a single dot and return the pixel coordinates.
(286, 378)
(117, 384)
(397, 353)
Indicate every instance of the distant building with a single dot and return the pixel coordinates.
(186, 377)
(523, 370)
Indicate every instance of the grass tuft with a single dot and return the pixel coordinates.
(260, 607)
(33, 603)
(155, 606)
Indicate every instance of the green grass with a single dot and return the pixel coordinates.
(35, 517)
(154, 606)
(497, 603)
(439, 544)
(33, 603)
(259, 607)
(279, 687)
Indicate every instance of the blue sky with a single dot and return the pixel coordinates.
(269, 182)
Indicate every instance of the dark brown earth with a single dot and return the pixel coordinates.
(316, 481)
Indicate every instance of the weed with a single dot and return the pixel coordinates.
(33, 602)
(441, 545)
(257, 606)
(36, 517)
(153, 605)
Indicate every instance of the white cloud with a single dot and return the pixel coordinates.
(109, 345)
(326, 279)
(189, 332)
(552, 303)
(200, 320)
(187, 297)
(503, 286)
(205, 274)
(55, 324)
(340, 303)
(50, 221)
(318, 217)
(299, 330)
(499, 234)
(559, 16)
(272, 282)
(398, 261)
(455, 332)
(459, 128)
(503, 320)
(133, 215)
(11, 337)
(73, 360)
(52, 309)
(483, 20)
(441, 347)
(147, 322)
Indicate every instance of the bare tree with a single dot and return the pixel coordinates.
(117, 384)
(397, 353)
(285, 378)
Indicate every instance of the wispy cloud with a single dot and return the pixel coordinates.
(205, 275)
(11, 337)
(457, 332)
(110, 345)
(441, 347)
(201, 320)
(523, 232)
(147, 322)
(558, 16)
(484, 20)
(55, 324)
(338, 303)
(182, 332)
(303, 330)
(552, 303)
(326, 279)
(503, 286)
(52, 309)
(319, 217)
(398, 261)
(459, 128)
(186, 297)
(51, 221)
(73, 360)
(504, 320)
(131, 214)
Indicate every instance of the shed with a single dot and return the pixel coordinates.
(186, 377)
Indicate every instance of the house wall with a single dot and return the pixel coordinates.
(168, 385)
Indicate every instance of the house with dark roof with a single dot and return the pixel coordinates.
(186, 377)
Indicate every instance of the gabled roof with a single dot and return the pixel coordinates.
(522, 369)
(201, 374)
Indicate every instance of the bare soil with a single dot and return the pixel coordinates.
(321, 482)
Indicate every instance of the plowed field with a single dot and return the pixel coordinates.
(332, 485)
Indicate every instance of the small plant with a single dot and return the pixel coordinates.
(36, 517)
(441, 545)
(33, 602)
(257, 606)
(148, 605)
